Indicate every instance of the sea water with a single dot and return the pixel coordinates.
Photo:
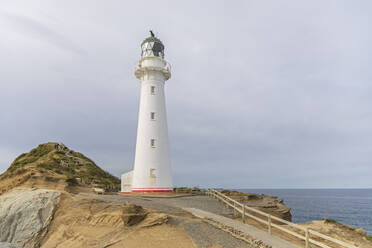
(349, 206)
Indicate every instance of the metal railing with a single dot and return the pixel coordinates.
(242, 209)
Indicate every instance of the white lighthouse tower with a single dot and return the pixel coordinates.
(152, 168)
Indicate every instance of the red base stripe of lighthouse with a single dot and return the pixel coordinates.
(149, 190)
(152, 191)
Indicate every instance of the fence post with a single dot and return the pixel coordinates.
(234, 209)
(269, 220)
(307, 238)
(243, 216)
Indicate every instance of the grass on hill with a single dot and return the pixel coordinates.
(56, 159)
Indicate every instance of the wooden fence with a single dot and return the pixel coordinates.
(267, 219)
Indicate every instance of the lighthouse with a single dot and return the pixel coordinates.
(152, 167)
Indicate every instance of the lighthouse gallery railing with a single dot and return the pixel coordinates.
(242, 209)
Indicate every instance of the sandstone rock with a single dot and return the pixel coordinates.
(268, 204)
(337, 230)
(153, 219)
(132, 214)
(360, 231)
(25, 215)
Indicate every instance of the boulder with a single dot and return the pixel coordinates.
(132, 214)
(25, 215)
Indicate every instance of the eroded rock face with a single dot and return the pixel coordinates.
(25, 215)
(132, 214)
(154, 219)
(135, 215)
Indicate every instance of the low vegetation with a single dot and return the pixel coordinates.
(186, 190)
(369, 237)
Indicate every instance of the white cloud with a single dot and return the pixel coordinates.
(6, 158)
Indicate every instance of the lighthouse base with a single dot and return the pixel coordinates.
(153, 190)
(126, 187)
(170, 192)
(150, 191)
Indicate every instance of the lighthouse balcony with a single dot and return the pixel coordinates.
(152, 64)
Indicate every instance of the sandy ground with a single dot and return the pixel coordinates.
(90, 220)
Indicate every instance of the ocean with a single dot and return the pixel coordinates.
(349, 206)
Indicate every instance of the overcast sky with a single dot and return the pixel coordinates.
(264, 94)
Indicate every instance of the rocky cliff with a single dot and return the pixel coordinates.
(268, 204)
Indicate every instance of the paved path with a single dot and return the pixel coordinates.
(252, 231)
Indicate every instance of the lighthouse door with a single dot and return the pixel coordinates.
(152, 177)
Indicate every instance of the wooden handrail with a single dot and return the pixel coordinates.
(241, 208)
(331, 239)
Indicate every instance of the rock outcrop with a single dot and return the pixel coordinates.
(136, 215)
(25, 215)
(354, 236)
(132, 214)
(268, 204)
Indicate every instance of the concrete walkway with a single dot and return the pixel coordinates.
(250, 230)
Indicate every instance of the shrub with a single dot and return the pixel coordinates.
(369, 237)
(20, 156)
(41, 150)
(329, 220)
(45, 166)
(71, 181)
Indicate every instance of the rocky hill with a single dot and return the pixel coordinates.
(53, 165)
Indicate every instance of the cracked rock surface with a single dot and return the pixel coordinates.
(25, 215)
(7, 245)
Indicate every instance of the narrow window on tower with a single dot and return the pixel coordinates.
(153, 143)
(152, 90)
(152, 116)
